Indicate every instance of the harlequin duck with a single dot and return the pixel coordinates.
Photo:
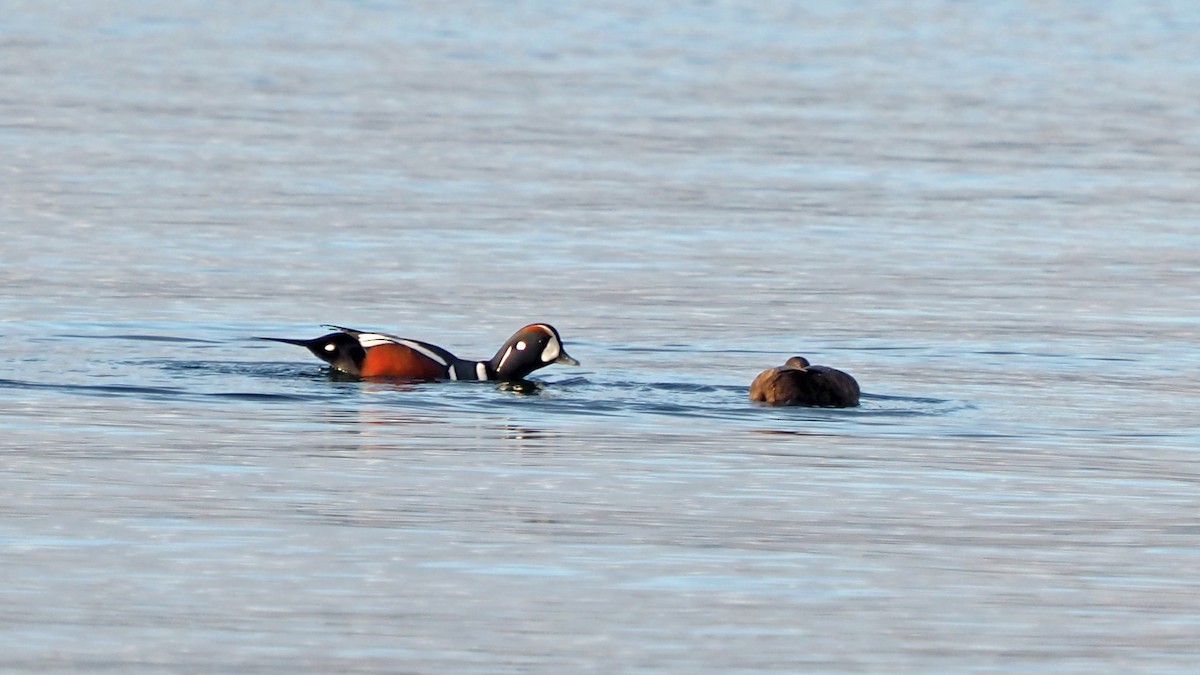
(365, 354)
(797, 382)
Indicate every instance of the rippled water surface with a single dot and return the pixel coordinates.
(986, 212)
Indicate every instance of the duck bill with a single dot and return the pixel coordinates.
(566, 360)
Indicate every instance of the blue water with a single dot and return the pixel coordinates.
(986, 213)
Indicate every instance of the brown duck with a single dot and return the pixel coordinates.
(797, 382)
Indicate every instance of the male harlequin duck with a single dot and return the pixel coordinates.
(797, 382)
(363, 354)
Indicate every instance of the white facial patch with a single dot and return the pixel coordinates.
(552, 351)
(521, 345)
(330, 347)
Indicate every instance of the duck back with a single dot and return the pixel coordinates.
(818, 386)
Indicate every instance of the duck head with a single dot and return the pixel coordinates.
(534, 346)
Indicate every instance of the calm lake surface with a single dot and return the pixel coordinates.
(986, 212)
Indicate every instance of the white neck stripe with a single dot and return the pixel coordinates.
(481, 370)
(507, 353)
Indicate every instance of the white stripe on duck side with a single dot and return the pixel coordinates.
(368, 340)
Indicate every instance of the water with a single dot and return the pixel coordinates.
(986, 214)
